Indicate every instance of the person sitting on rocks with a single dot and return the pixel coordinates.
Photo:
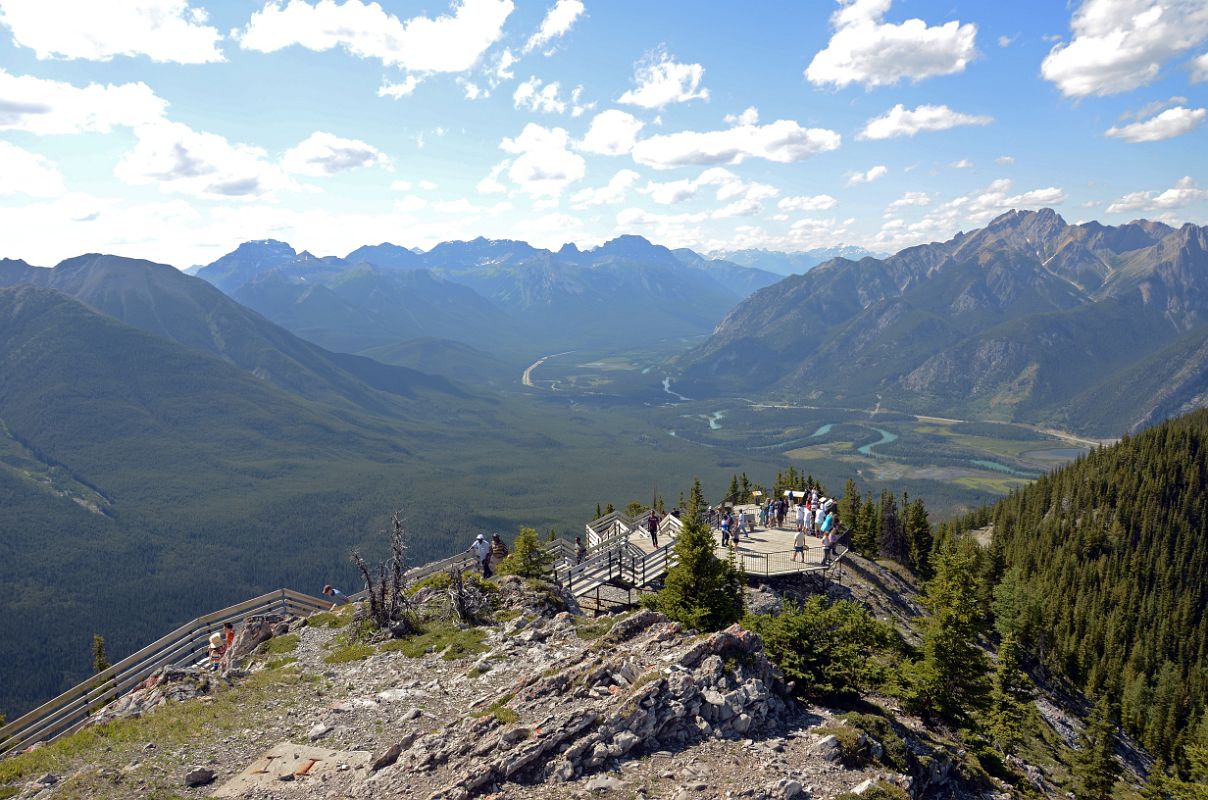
(335, 594)
(217, 649)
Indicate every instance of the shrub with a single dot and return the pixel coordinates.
(896, 754)
(329, 619)
(455, 642)
(350, 652)
(279, 645)
(528, 558)
(828, 649)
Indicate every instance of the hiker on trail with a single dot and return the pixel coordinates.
(725, 530)
(830, 539)
(499, 550)
(228, 631)
(742, 527)
(482, 551)
(580, 550)
(338, 597)
(807, 524)
(799, 546)
(781, 510)
(799, 510)
(652, 527)
(216, 650)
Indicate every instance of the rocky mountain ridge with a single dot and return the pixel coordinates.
(1028, 319)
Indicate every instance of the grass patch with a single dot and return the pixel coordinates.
(507, 614)
(350, 652)
(593, 627)
(170, 724)
(8, 791)
(278, 663)
(500, 711)
(331, 619)
(455, 642)
(280, 645)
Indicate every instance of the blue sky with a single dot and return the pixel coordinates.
(175, 129)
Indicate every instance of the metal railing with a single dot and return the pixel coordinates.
(69, 711)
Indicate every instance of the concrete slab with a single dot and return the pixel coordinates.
(288, 765)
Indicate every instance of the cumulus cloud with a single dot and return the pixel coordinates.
(491, 183)
(870, 175)
(614, 192)
(162, 30)
(38, 105)
(866, 50)
(1006, 161)
(782, 141)
(450, 43)
(558, 21)
(612, 133)
(902, 121)
(398, 89)
(1199, 69)
(532, 96)
(1184, 192)
(817, 202)
(661, 81)
(1118, 45)
(963, 163)
(327, 154)
(911, 199)
(179, 159)
(1166, 125)
(23, 172)
(728, 187)
(543, 165)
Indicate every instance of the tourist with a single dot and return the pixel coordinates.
(799, 511)
(499, 550)
(482, 551)
(799, 546)
(228, 631)
(652, 527)
(725, 530)
(216, 650)
(338, 597)
(580, 550)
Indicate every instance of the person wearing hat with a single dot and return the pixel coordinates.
(482, 551)
(335, 594)
(216, 650)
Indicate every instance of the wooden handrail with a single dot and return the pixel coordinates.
(71, 709)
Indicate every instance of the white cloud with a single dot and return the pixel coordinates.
(902, 121)
(963, 163)
(543, 165)
(41, 106)
(558, 20)
(866, 50)
(162, 30)
(1184, 192)
(531, 96)
(450, 43)
(401, 89)
(179, 159)
(502, 70)
(577, 107)
(491, 183)
(427, 185)
(743, 207)
(1199, 69)
(472, 90)
(1170, 123)
(670, 230)
(782, 141)
(1006, 161)
(614, 192)
(23, 172)
(728, 187)
(1118, 45)
(748, 117)
(612, 133)
(409, 204)
(818, 202)
(879, 171)
(327, 154)
(661, 81)
(911, 199)
(1005, 41)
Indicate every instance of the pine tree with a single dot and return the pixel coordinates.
(1010, 697)
(100, 662)
(893, 539)
(732, 492)
(867, 536)
(608, 509)
(700, 591)
(1095, 766)
(598, 512)
(744, 488)
(950, 680)
(528, 558)
(918, 536)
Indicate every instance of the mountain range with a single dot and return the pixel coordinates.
(1095, 328)
(792, 263)
(503, 296)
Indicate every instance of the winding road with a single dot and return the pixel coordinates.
(527, 377)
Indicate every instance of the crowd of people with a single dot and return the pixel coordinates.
(806, 513)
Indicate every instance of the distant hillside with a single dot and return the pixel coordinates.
(502, 296)
(791, 263)
(161, 300)
(1105, 576)
(1028, 319)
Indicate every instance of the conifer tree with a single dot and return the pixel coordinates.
(598, 512)
(744, 488)
(918, 536)
(528, 558)
(700, 591)
(893, 539)
(1095, 766)
(100, 662)
(950, 681)
(1010, 697)
(849, 504)
(732, 492)
(867, 536)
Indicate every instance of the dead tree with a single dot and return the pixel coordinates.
(389, 607)
(467, 600)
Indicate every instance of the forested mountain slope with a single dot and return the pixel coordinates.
(1105, 576)
(1028, 319)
